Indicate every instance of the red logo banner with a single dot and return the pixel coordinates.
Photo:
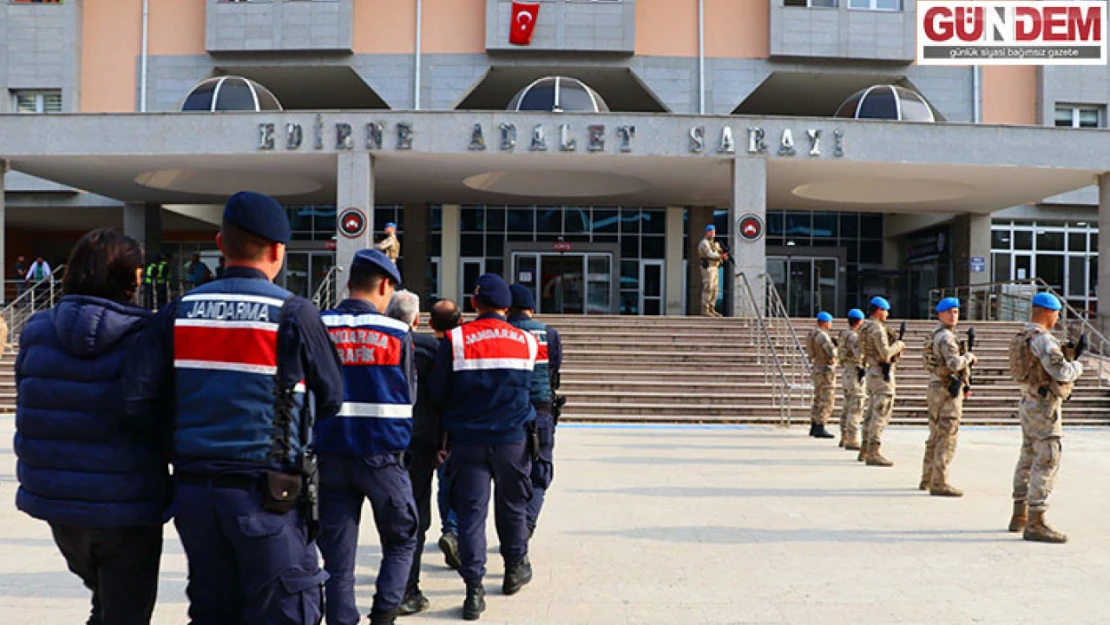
(525, 15)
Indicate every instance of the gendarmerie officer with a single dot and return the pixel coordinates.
(362, 448)
(482, 383)
(230, 364)
(544, 382)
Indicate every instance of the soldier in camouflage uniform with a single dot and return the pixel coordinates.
(880, 347)
(390, 246)
(1047, 374)
(949, 365)
(711, 256)
(850, 356)
(822, 355)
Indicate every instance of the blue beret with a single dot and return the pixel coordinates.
(856, 314)
(710, 227)
(824, 317)
(522, 297)
(948, 303)
(258, 214)
(390, 224)
(1047, 301)
(492, 291)
(376, 260)
(880, 302)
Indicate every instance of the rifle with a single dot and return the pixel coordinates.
(1080, 346)
(886, 365)
(724, 250)
(971, 350)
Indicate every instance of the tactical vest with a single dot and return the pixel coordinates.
(868, 338)
(148, 277)
(934, 364)
(816, 354)
(162, 275)
(1026, 368)
(844, 354)
(376, 416)
(541, 375)
(225, 340)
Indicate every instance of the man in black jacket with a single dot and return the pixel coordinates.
(424, 448)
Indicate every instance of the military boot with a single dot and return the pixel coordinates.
(414, 602)
(449, 545)
(383, 618)
(840, 444)
(1038, 531)
(1020, 516)
(864, 449)
(812, 428)
(517, 575)
(475, 602)
(819, 431)
(876, 459)
(923, 484)
(945, 490)
(851, 443)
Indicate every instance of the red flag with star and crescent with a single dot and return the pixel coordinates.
(524, 22)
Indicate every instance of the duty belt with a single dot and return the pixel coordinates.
(240, 482)
(543, 406)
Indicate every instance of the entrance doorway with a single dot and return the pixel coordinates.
(807, 285)
(567, 283)
(304, 272)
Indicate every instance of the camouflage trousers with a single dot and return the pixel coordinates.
(709, 289)
(1041, 430)
(945, 413)
(880, 406)
(824, 394)
(855, 397)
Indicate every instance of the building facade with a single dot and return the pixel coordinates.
(714, 111)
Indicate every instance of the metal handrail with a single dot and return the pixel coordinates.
(327, 293)
(31, 301)
(781, 313)
(780, 397)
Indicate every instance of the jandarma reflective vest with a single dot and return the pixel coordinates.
(225, 341)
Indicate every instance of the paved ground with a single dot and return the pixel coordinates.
(726, 525)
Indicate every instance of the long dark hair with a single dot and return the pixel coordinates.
(103, 264)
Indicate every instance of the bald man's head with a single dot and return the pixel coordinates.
(444, 316)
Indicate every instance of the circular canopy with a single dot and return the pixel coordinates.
(230, 93)
(558, 94)
(887, 102)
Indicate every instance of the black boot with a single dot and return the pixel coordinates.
(383, 618)
(449, 545)
(812, 429)
(475, 602)
(819, 431)
(516, 576)
(414, 602)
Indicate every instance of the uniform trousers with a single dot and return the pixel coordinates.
(543, 470)
(422, 466)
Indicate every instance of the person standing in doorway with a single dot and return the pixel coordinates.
(711, 255)
(390, 246)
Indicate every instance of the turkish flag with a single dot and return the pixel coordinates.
(524, 22)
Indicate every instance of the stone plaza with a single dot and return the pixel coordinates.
(670, 524)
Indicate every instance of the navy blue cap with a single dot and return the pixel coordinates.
(710, 227)
(947, 303)
(258, 214)
(390, 224)
(880, 302)
(378, 261)
(856, 314)
(824, 317)
(522, 297)
(491, 290)
(1047, 301)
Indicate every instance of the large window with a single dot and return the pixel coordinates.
(824, 4)
(1063, 254)
(876, 5)
(1079, 116)
(45, 101)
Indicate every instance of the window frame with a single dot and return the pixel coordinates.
(1076, 110)
(872, 5)
(39, 96)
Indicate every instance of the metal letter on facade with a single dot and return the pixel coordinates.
(786, 145)
(627, 134)
(697, 139)
(727, 145)
(343, 139)
(566, 144)
(814, 142)
(265, 136)
(756, 143)
(539, 140)
(404, 136)
(294, 136)
(318, 127)
(477, 138)
(838, 143)
(597, 138)
(508, 137)
(374, 132)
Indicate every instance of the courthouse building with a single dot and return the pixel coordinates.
(594, 187)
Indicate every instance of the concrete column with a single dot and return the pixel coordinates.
(1104, 258)
(972, 239)
(449, 254)
(4, 232)
(673, 260)
(700, 217)
(415, 250)
(354, 189)
(143, 222)
(749, 196)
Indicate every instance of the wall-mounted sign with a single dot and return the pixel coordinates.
(331, 245)
(978, 264)
(352, 222)
(561, 246)
(750, 227)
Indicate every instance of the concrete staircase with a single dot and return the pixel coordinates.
(700, 370)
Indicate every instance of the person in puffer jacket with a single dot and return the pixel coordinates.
(100, 482)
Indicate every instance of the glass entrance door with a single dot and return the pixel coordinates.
(304, 272)
(567, 284)
(807, 285)
(651, 287)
